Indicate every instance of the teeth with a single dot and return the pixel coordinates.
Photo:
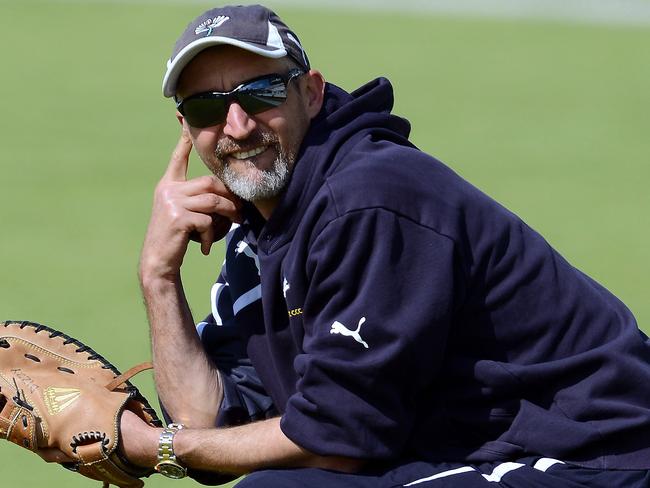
(248, 154)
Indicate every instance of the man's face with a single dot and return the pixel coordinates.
(252, 154)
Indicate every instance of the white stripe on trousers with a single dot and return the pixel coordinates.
(499, 472)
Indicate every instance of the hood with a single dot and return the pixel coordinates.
(343, 119)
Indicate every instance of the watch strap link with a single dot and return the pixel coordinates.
(166, 443)
(168, 465)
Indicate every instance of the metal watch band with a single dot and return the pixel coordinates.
(166, 442)
(167, 463)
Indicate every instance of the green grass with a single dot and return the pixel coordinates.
(550, 119)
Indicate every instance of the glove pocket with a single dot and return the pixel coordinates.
(92, 421)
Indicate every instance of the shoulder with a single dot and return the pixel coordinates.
(399, 178)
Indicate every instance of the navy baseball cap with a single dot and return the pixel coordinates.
(251, 27)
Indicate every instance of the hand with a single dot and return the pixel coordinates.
(201, 208)
(139, 441)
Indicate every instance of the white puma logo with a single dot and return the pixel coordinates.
(285, 288)
(339, 328)
(243, 247)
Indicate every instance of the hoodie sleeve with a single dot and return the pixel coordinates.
(376, 317)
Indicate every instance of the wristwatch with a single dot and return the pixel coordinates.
(167, 464)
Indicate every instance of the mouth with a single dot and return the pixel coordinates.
(241, 155)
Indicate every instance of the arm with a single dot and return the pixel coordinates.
(234, 450)
(353, 402)
(186, 380)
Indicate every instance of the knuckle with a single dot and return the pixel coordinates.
(204, 222)
(176, 218)
(164, 192)
(213, 200)
(170, 195)
(216, 182)
(169, 206)
(224, 205)
(163, 189)
(203, 181)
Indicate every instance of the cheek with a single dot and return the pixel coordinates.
(204, 141)
(294, 134)
(290, 130)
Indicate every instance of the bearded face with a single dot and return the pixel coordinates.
(252, 154)
(236, 165)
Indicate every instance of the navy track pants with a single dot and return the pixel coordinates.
(532, 472)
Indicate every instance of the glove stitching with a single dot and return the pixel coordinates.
(96, 363)
(64, 352)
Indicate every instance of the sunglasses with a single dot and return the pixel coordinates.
(254, 96)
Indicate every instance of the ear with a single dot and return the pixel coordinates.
(181, 120)
(179, 117)
(313, 92)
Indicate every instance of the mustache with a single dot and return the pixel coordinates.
(228, 145)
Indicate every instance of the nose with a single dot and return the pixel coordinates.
(238, 124)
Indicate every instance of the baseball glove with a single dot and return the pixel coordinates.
(56, 392)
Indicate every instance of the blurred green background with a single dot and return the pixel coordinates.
(549, 118)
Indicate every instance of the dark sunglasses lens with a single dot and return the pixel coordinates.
(254, 97)
(263, 94)
(255, 104)
(204, 112)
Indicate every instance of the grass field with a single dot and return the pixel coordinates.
(550, 119)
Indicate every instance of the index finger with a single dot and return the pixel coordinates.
(177, 168)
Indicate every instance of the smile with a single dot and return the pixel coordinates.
(249, 154)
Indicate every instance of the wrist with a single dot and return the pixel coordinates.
(149, 457)
(139, 441)
(158, 279)
(155, 263)
(180, 445)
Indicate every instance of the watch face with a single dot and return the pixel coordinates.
(171, 470)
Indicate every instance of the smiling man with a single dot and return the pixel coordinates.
(253, 157)
(378, 321)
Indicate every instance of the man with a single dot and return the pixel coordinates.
(378, 321)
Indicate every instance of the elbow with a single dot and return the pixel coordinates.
(190, 417)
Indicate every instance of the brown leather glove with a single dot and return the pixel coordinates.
(55, 392)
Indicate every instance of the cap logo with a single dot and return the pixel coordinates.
(207, 25)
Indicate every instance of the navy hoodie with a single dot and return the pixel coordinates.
(402, 314)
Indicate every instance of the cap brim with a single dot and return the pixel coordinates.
(176, 65)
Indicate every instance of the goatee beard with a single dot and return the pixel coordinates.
(253, 183)
(256, 184)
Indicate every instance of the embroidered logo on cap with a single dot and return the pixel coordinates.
(207, 25)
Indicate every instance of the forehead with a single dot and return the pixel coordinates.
(222, 68)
